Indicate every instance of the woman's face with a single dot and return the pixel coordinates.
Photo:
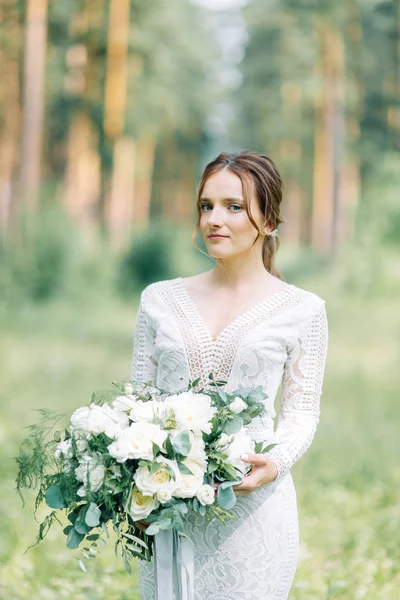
(222, 212)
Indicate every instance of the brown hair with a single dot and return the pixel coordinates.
(260, 176)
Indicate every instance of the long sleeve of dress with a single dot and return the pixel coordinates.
(301, 391)
(144, 363)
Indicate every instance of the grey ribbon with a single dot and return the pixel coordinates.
(173, 566)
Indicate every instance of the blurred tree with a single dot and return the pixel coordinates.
(11, 44)
(314, 96)
(33, 98)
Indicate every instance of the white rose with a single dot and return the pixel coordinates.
(151, 483)
(140, 506)
(224, 440)
(128, 388)
(205, 494)
(95, 419)
(192, 411)
(122, 405)
(197, 451)
(190, 484)
(164, 495)
(147, 411)
(64, 449)
(137, 442)
(240, 444)
(81, 444)
(91, 472)
(237, 406)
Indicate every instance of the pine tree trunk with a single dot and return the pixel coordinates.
(328, 141)
(10, 110)
(33, 98)
(143, 180)
(119, 207)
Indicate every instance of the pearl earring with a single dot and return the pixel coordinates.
(273, 233)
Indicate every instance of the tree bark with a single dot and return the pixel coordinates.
(33, 98)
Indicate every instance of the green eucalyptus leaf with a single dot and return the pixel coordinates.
(67, 529)
(247, 419)
(165, 523)
(54, 497)
(234, 425)
(226, 484)
(73, 516)
(184, 469)
(154, 467)
(93, 514)
(226, 497)
(74, 539)
(181, 508)
(152, 529)
(80, 525)
(212, 466)
(181, 443)
(82, 565)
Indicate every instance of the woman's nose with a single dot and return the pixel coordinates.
(215, 217)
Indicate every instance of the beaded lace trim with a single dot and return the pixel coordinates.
(206, 355)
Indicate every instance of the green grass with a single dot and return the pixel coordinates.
(347, 484)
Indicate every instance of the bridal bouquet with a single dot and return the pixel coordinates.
(139, 452)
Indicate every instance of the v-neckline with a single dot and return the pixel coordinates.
(239, 318)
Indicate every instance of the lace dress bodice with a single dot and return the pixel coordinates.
(281, 339)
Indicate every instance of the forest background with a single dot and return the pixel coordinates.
(109, 111)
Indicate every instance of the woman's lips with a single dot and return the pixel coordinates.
(217, 236)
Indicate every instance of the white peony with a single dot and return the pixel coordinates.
(137, 442)
(140, 506)
(151, 483)
(190, 484)
(164, 495)
(240, 443)
(81, 444)
(147, 411)
(192, 411)
(237, 406)
(95, 419)
(122, 405)
(91, 472)
(206, 494)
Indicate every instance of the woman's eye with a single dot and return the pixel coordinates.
(232, 207)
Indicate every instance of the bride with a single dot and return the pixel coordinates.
(244, 323)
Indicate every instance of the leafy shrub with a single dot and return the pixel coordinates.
(150, 257)
(39, 264)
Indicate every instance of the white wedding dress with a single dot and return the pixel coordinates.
(284, 339)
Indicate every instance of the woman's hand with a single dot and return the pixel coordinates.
(142, 525)
(264, 471)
